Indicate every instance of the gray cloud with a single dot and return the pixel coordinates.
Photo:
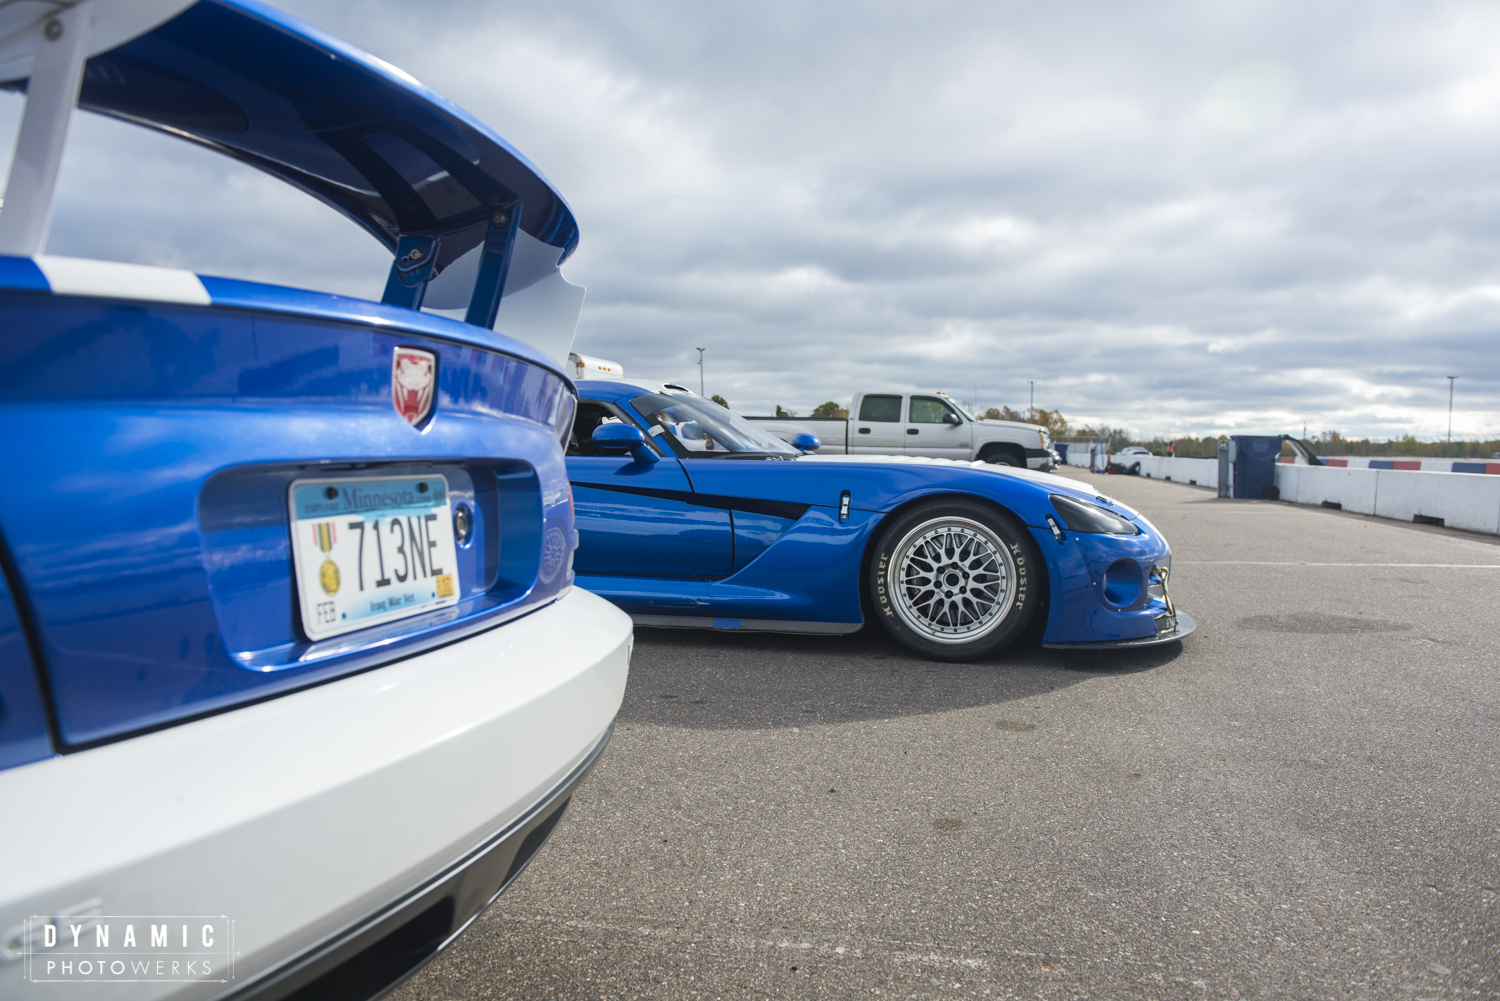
(1176, 217)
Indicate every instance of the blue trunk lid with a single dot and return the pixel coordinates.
(154, 446)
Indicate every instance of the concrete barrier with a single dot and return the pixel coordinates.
(1424, 491)
(1204, 472)
(1351, 489)
(1080, 452)
(1457, 500)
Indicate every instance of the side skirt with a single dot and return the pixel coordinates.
(745, 625)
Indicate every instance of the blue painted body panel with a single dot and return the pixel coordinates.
(810, 574)
(1075, 572)
(259, 297)
(157, 443)
(625, 531)
(755, 533)
(23, 718)
(808, 568)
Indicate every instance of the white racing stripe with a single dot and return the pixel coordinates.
(114, 280)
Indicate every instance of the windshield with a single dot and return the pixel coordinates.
(961, 409)
(705, 429)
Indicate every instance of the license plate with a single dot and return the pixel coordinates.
(368, 551)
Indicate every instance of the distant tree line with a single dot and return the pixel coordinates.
(1058, 427)
(1333, 443)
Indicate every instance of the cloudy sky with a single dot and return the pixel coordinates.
(1189, 218)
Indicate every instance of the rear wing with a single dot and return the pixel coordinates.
(469, 221)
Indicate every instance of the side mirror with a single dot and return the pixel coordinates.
(951, 418)
(805, 442)
(623, 438)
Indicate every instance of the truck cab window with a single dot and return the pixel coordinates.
(881, 409)
(928, 410)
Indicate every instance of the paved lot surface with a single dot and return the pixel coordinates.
(1300, 801)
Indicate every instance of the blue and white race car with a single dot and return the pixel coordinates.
(293, 675)
(690, 516)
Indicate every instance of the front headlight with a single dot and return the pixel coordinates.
(1081, 516)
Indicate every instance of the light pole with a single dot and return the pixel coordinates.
(1448, 448)
(700, 371)
(1033, 397)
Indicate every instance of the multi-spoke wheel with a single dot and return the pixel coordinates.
(954, 580)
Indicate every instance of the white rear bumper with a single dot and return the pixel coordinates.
(302, 816)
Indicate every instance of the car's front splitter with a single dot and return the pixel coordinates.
(1181, 624)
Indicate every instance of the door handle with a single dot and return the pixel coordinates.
(864, 430)
(912, 431)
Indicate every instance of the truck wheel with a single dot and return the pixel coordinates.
(954, 580)
(1003, 457)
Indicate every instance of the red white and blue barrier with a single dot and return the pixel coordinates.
(1410, 465)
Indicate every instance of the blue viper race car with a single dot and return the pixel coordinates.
(690, 516)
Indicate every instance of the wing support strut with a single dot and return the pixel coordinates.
(499, 242)
(51, 96)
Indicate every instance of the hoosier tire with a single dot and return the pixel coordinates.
(955, 580)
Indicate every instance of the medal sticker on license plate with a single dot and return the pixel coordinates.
(368, 551)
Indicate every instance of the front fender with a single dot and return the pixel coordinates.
(1076, 567)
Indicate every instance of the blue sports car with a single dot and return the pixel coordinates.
(287, 639)
(690, 516)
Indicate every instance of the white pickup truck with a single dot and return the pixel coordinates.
(927, 424)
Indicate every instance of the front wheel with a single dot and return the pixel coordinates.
(955, 580)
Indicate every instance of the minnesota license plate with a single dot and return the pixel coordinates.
(368, 551)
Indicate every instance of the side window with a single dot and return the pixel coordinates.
(928, 410)
(585, 422)
(881, 409)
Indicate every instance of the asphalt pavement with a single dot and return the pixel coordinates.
(1301, 800)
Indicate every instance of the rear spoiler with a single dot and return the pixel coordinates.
(466, 217)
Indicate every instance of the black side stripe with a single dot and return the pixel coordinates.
(750, 505)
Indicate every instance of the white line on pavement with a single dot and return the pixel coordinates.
(1278, 563)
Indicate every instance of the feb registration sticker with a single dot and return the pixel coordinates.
(368, 551)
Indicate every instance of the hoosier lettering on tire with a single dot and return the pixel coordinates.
(954, 579)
